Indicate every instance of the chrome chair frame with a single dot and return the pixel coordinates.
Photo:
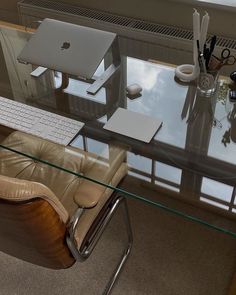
(82, 255)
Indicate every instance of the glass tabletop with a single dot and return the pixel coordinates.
(190, 159)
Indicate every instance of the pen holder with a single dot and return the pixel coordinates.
(207, 82)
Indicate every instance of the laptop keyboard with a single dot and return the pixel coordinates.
(38, 122)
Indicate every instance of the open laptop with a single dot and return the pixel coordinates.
(67, 48)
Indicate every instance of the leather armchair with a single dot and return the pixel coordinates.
(50, 217)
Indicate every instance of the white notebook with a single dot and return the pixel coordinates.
(134, 125)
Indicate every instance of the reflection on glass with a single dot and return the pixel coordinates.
(167, 186)
(78, 142)
(139, 163)
(162, 97)
(230, 133)
(168, 172)
(143, 73)
(97, 147)
(217, 189)
(221, 144)
(216, 204)
(139, 176)
(79, 88)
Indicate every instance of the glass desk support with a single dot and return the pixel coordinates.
(191, 158)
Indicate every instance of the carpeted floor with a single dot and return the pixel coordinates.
(170, 256)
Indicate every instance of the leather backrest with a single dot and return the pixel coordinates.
(14, 189)
(33, 224)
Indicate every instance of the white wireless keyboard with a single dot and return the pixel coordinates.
(38, 122)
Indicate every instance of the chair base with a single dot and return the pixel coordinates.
(83, 255)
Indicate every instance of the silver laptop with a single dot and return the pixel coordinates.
(67, 48)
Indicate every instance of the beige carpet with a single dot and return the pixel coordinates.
(170, 256)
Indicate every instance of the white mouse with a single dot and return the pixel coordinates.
(133, 89)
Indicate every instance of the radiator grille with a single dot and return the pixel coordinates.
(122, 21)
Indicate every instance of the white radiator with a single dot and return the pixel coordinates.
(165, 43)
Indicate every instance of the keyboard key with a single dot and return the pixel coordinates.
(38, 122)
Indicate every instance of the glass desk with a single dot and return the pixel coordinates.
(191, 158)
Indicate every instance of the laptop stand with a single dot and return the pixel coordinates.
(109, 72)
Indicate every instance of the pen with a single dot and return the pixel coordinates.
(201, 59)
(211, 49)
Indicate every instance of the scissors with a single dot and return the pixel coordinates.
(226, 58)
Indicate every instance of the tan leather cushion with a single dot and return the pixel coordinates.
(71, 190)
(13, 189)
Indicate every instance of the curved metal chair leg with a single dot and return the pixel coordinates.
(83, 255)
(126, 252)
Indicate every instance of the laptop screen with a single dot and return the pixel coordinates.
(67, 48)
